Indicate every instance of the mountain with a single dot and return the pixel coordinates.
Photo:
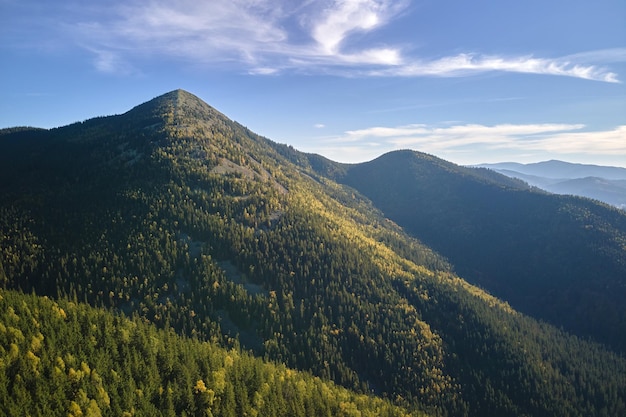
(188, 222)
(557, 258)
(561, 170)
(606, 184)
(612, 192)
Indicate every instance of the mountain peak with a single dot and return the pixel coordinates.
(555, 169)
(179, 97)
(176, 107)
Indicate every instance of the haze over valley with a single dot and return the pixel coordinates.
(607, 184)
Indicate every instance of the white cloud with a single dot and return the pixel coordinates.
(465, 64)
(109, 62)
(383, 132)
(478, 143)
(200, 32)
(263, 71)
(268, 37)
(600, 56)
(608, 142)
(343, 17)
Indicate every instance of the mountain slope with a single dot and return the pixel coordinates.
(67, 359)
(557, 258)
(178, 215)
(612, 192)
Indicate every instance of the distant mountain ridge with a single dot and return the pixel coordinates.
(603, 183)
(357, 274)
(559, 169)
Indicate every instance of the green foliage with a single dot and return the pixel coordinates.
(558, 258)
(177, 216)
(515, 365)
(62, 358)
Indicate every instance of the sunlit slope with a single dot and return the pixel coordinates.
(67, 359)
(189, 220)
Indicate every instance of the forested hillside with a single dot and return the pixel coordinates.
(182, 218)
(63, 358)
(558, 258)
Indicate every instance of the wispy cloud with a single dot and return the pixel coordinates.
(109, 62)
(476, 141)
(198, 31)
(333, 26)
(608, 142)
(268, 37)
(599, 56)
(464, 64)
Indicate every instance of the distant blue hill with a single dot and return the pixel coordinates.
(603, 183)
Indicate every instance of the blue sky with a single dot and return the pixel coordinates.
(470, 82)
